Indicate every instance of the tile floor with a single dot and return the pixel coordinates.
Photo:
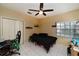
(30, 49)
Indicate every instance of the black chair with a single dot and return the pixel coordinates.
(18, 36)
(15, 50)
(6, 48)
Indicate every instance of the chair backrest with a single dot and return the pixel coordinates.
(18, 36)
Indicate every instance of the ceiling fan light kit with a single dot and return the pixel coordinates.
(41, 11)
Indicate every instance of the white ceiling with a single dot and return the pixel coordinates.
(58, 7)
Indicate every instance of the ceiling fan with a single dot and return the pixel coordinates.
(41, 11)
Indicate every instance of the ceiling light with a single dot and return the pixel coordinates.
(40, 12)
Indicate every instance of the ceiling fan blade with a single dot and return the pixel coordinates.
(33, 10)
(29, 12)
(36, 14)
(48, 10)
(41, 6)
(44, 14)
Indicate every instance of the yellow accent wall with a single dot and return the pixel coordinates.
(47, 22)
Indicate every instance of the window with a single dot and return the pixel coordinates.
(68, 29)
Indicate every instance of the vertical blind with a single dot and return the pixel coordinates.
(68, 29)
(9, 28)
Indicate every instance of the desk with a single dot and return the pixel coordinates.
(74, 51)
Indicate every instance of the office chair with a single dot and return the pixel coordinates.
(15, 46)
